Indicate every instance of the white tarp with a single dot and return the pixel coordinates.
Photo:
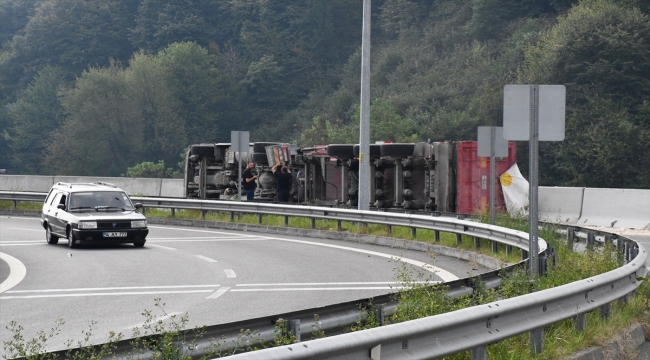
(515, 191)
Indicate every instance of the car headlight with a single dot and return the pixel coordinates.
(88, 225)
(139, 223)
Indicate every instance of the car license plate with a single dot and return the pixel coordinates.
(114, 234)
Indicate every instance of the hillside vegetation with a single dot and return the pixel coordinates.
(93, 87)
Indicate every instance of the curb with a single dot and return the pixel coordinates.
(630, 343)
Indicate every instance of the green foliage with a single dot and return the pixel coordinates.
(36, 114)
(147, 169)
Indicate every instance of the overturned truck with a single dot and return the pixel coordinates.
(444, 177)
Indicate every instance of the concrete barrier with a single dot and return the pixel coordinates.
(133, 186)
(172, 188)
(560, 204)
(619, 208)
(34, 183)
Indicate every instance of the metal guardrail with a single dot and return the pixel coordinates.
(432, 337)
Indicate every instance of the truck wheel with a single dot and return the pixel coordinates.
(340, 150)
(375, 150)
(51, 238)
(397, 150)
(202, 150)
(260, 158)
(259, 147)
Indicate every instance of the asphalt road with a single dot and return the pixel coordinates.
(213, 276)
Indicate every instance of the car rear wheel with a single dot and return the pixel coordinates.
(51, 238)
(71, 240)
(138, 244)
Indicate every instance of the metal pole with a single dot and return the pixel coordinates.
(364, 126)
(492, 173)
(239, 162)
(534, 146)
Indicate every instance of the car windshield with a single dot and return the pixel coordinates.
(100, 200)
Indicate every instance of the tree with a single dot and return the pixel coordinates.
(35, 116)
(102, 134)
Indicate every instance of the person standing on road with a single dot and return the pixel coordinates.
(283, 182)
(249, 181)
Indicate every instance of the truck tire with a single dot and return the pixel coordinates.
(202, 150)
(397, 150)
(340, 150)
(375, 150)
(260, 158)
(259, 147)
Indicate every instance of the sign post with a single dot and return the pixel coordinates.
(534, 113)
(239, 142)
(491, 143)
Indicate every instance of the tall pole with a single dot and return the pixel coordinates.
(239, 171)
(364, 125)
(492, 171)
(532, 191)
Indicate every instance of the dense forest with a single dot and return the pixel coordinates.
(95, 87)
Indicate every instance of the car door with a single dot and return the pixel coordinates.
(55, 214)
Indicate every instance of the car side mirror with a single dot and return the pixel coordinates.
(138, 205)
(61, 206)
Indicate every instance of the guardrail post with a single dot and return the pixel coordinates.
(203, 214)
(14, 204)
(380, 315)
(508, 249)
(524, 254)
(604, 310)
(570, 237)
(459, 239)
(591, 239)
(608, 239)
(312, 223)
(495, 247)
(536, 338)
(173, 212)
(413, 232)
(580, 322)
(389, 229)
(259, 218)
(626, 252)
(541, 263)
(286, 220)
(293, 326)
(232, 216)
(478, 353)
(477, 242)
(436, 235)
(144, 210)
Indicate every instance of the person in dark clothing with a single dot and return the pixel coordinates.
(283, 182)
(249, 181)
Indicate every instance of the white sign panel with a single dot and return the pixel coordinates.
(516, 112)
(239, 141)
(485, 142)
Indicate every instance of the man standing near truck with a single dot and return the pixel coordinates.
(282, 181)
(249, 181)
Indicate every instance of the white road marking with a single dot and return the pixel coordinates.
(17, 272)
(23, 229)
(203, 231)
(116, 288)
(206, 258)
(341, 283)
(206, 239)
(442, 273)
(160, 246)
(155, 321)
(321, 289)
(105, 294)
(218, 293)
(230, 273)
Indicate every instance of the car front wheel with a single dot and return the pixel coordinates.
(71, 241)
(138, 244)
(51, 238)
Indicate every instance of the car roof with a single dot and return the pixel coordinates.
(78, 187)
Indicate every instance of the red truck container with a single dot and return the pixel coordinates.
(472, 178)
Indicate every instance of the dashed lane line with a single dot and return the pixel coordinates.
(219, 292)
(206, 258)
(230, 273)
